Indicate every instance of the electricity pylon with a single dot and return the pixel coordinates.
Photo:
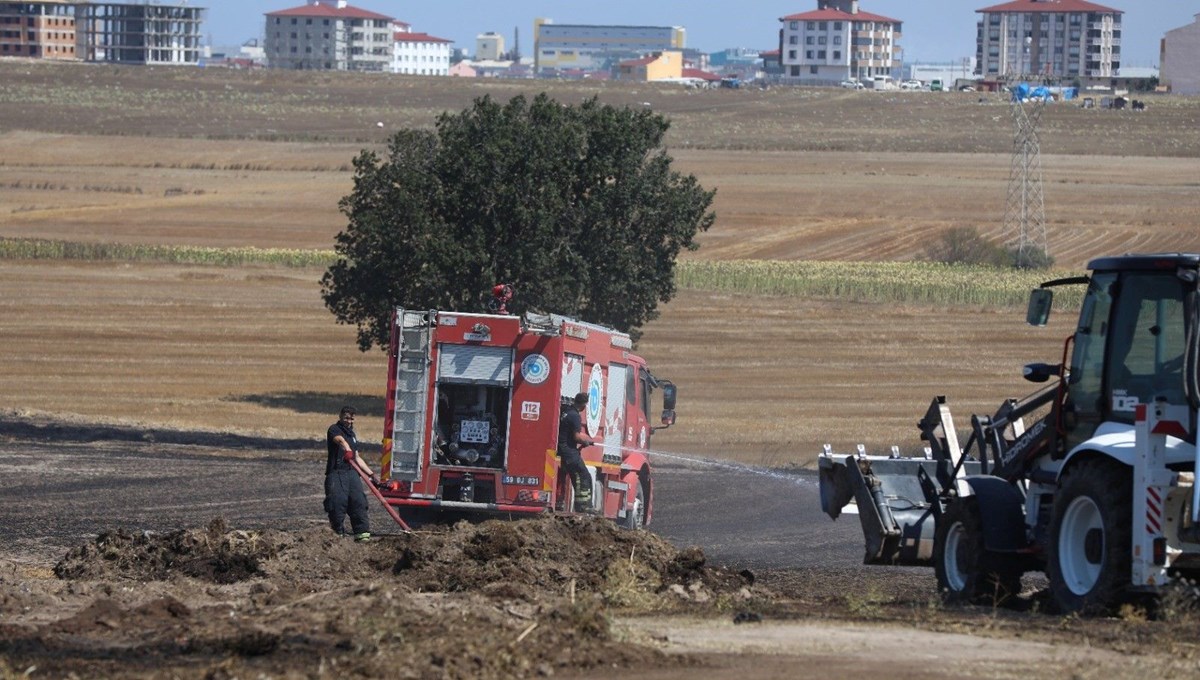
(1025, 212)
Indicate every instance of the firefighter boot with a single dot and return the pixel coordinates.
(583, 500)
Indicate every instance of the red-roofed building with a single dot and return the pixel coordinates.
(836, 41)
(329, 35)
(421, 54)
(1048, 38)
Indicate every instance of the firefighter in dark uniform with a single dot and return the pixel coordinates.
(344, 494)
(571, 439)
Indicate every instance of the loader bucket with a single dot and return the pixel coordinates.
(886, 493)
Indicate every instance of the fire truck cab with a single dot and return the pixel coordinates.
(473, 409)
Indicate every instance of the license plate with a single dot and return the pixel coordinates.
(474, 431)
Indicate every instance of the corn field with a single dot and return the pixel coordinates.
(895, 282)
(900, 282)
(39, 249)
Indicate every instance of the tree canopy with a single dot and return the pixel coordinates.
(576, 207)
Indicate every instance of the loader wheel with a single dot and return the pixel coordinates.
(635, 517)
(966, 572)
(1088, 556)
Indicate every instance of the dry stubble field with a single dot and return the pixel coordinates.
(184, 157)
(220, 158)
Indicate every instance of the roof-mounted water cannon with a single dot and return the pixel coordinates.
(502, 295)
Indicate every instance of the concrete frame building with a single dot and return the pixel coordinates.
(1048, 38)
(837, 41)
(109, 32)
(130, 33)
(420, 54)
(329, 35)
(1180, 59)
(37, 30)
(559, 47)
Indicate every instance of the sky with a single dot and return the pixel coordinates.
(934, 30)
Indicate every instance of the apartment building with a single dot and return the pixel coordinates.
(138, 33)
(838, 40)
(420, 54)
(37, 30)
(1048, 38)
(329, 35)
(558, 47)
(1180, 59)
(111, 32)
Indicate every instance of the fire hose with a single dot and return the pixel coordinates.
(375, 491)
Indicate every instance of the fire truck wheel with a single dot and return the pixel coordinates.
(1088, 561)
(966, 572)
(635, 517)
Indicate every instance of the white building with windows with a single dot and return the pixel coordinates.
(421, 54)
(329, 35)
(1180, 59)
(838, 41)
(1048, 38)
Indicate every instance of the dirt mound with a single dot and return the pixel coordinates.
(214, 554)
(497, 599)
(526, 560)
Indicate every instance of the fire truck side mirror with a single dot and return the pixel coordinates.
(668, 396)
(668, 418)
(1040, 301)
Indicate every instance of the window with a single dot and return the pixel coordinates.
(810, 40)
(791, 54)
(794, 40)
(837, 54)
(812, 26)
(820, 54)
(808, 54)
(837, 25)
(824, 25)
(837, 40)
(822, 40)
(814, 70)
(793, 25)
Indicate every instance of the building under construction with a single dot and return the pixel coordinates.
(108, 32)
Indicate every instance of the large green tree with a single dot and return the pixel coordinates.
(576, 207)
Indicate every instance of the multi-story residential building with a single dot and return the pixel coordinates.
(112, 32)
(38, 30)
(1180, 59)
(329, 35)
(838, 40)
(1048, 38)
(421, 54)
(138, 33)
(559, 47)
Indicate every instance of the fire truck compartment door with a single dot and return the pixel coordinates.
(614, 413)
(475, 365)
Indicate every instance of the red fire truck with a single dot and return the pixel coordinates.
(473, 408)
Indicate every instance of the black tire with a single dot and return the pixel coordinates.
(635, 518)
(1088, 556)
(966, 572)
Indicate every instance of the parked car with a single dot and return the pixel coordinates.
(911, 85)
(935, 85)
(852, 84)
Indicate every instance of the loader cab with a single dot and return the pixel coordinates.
(1130, 342)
